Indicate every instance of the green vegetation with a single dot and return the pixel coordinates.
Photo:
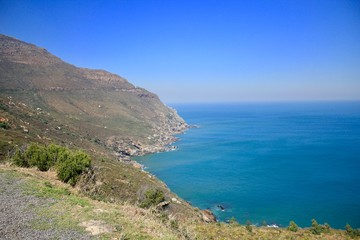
(152, 198)
(293, 227)
(3, 107)
(69, 164)
(4, 125)
(317, 229)
(72, 165)
(353, 233)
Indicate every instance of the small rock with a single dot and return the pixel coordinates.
(175, 200)
(162, 205)
(208, 216)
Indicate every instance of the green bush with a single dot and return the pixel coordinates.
(293, 226)
(19, 159)
(37, 156)
(3, 107)
(152, 197)
(353, 233)
(68, 164)
(69, 170)
(4, 125)
(317, 229)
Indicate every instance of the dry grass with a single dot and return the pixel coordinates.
(222, 231)
(71, 210)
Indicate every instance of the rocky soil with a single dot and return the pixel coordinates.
(18, 217)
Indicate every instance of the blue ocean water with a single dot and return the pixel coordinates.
(272, 162)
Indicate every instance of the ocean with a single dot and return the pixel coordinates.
(268, 162)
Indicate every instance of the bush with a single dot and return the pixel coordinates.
(4, 125)
(3, 107)
(174, 224)
(353, 233)
(293, 226)
(37, 156)
(69, 170)
(68, 164)
(317, 229)
(152, 197)
(19, 159)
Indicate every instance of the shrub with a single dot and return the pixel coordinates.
(353, 233)
(4, 125)
(293, 226)
(152, 197)
(174, 224)
(54, 151)
(68, 164)
(317, 229)
(3, 107)
(37, 156)
(69, 170)
(19, 159)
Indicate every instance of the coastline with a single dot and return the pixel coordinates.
(170, 168)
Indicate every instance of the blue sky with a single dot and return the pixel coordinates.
(204, 51)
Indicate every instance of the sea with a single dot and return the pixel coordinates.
(267, 163)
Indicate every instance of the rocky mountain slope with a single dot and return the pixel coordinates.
(45, 100)
(102, 106)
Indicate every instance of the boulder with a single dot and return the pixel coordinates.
(208, 216)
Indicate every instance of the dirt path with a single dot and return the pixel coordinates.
(18, 218)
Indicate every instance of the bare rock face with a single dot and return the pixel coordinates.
(208, 216)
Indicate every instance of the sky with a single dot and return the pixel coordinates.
(204, 51)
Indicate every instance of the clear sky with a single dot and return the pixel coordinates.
(204, 51)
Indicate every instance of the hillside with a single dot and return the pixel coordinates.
(45, 100)
(98, 105)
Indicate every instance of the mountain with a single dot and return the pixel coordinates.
(46, 100)
(102, 106)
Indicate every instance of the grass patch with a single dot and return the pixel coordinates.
(66, 210)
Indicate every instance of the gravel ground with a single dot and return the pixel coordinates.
(17, 213)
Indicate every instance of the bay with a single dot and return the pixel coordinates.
(268, 162)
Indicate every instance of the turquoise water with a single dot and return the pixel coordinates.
(272, 162)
